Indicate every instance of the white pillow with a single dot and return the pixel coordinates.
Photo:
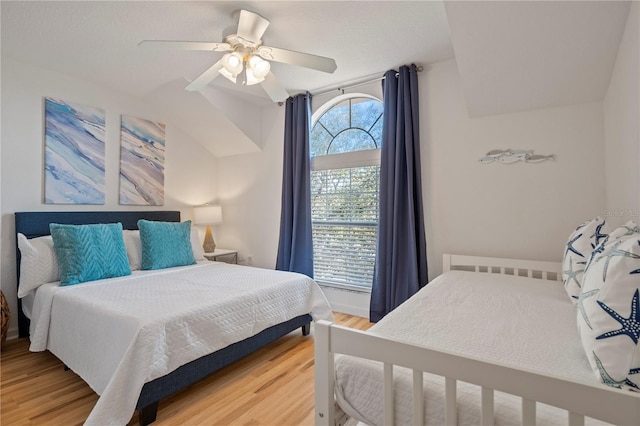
(577, 253)
(628, 228)
(609, 311)
(196, 246)
(38, 263)
(134, 247)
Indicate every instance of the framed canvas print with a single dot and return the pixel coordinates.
(74, 153)
(142, 148)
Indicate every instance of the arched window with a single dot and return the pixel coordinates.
(345, 180)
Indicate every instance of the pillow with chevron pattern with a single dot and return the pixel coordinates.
(134, 247)
(38, 263)
(165, 244)
(609, 310)
(89, 252)
(577, 252)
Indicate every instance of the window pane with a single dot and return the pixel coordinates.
(365, 113)
(376, 132)
(320, 140)
(344, 206)
(344, 254)
(351, 140)
(344, 201)
(337, 118)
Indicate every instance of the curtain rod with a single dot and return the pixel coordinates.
(367, 80)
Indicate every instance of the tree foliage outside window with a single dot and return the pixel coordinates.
(344, 200)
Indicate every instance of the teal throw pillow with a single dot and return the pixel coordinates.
(165, 244)
(89, 252)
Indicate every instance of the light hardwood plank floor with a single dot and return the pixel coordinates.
(273, 386)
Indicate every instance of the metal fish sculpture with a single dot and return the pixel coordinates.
(510, 159)
(498, 152)
(488, 159)
(510, 156)
(520, 152)
(539, 158)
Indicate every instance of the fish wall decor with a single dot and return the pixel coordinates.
(510, 156)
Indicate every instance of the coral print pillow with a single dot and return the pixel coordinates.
(577, 253)
(609, 310)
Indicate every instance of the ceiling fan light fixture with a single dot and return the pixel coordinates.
(224, 72)
(259, 67)
(232, 62)
(252, 78)
(246, 60)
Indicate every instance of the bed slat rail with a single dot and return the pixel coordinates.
(533, 269)
(528, 412)
(418, 398)
(623, 407)
(487, 406)
(451, 400)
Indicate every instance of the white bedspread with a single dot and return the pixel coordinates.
(528, 323)
(118, 334)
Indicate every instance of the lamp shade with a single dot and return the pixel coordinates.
(207, 215)
(233, 63)
(259, 67)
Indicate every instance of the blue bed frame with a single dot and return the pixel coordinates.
(36, 224)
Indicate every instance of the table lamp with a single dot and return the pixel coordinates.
(208, 215)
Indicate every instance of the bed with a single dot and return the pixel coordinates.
(432, 361)
(148, 351)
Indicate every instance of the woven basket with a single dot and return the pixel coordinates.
(5, 316)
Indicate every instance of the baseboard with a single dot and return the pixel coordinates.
(347, 302)
(12, 333)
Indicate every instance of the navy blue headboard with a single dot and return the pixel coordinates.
(36, 224)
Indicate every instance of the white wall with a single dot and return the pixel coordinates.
(190, 170)
(516, 211)
(519, 210)
(249, 189)
(622, 127)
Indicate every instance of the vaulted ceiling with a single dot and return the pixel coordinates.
(511, 55)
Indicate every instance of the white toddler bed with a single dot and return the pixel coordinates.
(498, 324)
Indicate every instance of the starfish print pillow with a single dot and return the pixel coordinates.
(609, 311)
(577, 252)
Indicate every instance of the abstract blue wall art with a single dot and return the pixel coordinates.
(141, 162)
(74, 153)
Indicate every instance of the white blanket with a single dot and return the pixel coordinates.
(118, 334)
(527, 323)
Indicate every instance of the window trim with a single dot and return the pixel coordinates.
(344, 160)
(334, 101)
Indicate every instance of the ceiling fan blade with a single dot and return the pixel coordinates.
(306, 60)
(251, 26)
(273, 88)
(205, 78)
(185, 45)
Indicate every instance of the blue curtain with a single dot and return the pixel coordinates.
(401, 258)
(295, 248)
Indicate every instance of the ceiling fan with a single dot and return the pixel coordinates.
(247, 60)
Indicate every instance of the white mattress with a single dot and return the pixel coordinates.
(527, 323)
(120, 333)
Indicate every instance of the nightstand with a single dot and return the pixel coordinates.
(229, 256)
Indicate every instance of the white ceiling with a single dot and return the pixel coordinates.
(98, 40)
(511, 55)
(519, 55)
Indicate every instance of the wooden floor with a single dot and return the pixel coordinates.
(273, 386)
